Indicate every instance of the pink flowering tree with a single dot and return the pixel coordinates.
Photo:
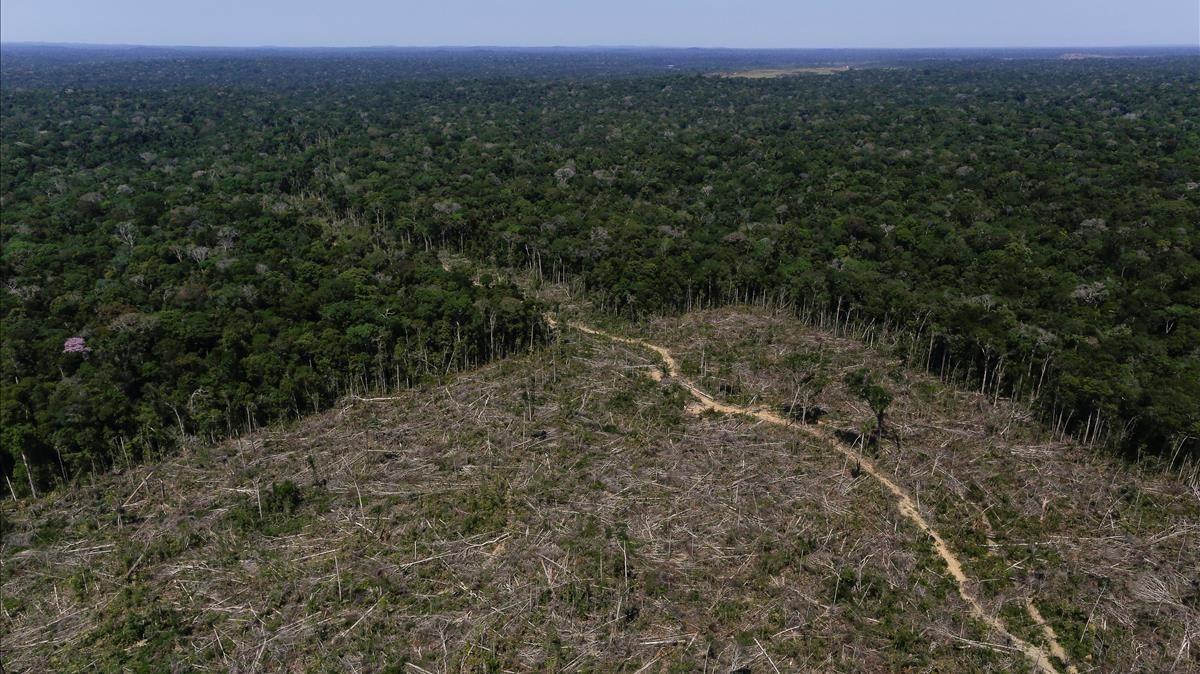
(75, 345)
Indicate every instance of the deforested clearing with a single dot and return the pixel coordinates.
(771, 73)
(562, 510)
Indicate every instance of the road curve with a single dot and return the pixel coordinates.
(1039, 656)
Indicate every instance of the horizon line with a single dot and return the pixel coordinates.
(135, 45)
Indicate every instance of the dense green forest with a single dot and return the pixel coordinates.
(198, 244)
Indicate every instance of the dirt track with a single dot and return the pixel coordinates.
(1039, 656)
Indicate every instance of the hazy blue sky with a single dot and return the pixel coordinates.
(729, 23)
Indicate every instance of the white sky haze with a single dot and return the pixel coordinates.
(680, 23)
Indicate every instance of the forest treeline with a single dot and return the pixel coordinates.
(196, 258)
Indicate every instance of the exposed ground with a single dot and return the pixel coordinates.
(772, 73)
(1077, 56)
(1042, 658)
(1107, 551)
(563, 510)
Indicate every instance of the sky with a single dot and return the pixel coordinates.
(669, 23)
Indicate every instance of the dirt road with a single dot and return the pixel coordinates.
(1039, 656)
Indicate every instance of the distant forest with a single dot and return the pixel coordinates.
(203, 241)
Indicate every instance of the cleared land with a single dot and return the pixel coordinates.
(771, 73)
(1107, 551)
(1040, 657)
(563, 510)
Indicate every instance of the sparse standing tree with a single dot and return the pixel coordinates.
(863, 385)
